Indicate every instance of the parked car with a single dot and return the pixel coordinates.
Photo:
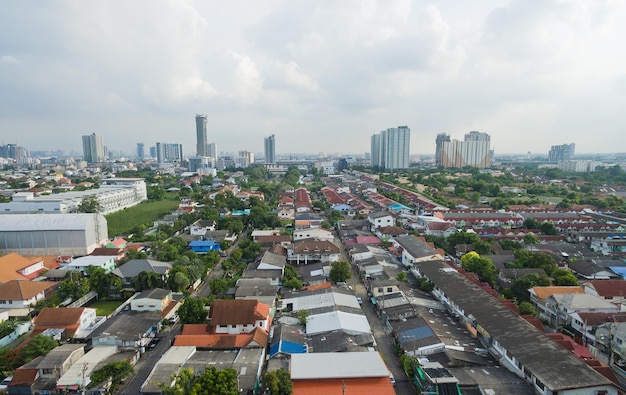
(5, 383)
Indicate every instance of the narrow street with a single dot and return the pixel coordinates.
(384, 340)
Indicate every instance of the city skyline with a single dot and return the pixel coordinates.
(530, 74)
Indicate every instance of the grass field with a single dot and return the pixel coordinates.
(145, 213)
(105, 307)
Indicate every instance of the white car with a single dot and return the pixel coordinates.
(5, 383)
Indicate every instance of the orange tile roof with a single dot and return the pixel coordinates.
(349, 386)
(23, 290)
(10, 264)
(546, 292)
(317, 286)
(195, 329)
(223, 341)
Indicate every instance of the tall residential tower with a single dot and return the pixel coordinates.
(270, 149)
(202, 148)
(474, 151)
(93, 148)
(390, 148)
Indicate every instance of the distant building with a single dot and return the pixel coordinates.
(93, 148)
(169, 152)
(558, 153)
(474, 151)
(441, 138)
(390, 148)
(140, 151)
(201, 136)
(270, 149)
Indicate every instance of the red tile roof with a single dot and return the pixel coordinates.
(237, 311)
(223, 341)
(23, 290)
(609, 288)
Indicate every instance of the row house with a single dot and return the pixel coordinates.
(483, 220)
(302, 201)
(543, 363)
(313, 251)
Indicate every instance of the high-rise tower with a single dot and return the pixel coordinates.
(390, 148)
(202, 148)
(270, 149)
(93, 148)
(441, 138)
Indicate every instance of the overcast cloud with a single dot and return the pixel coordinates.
(323, 76)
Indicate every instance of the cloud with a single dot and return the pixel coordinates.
(8, 59)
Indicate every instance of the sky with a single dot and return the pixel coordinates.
(323, 76)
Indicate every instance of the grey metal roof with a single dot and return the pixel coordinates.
(556, 367)
(415, 247)
(156, 293)
(128, 326)
(337, 365)
(135, 266)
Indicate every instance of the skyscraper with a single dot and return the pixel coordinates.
(473, 152)
(212, 151)
(441, 138)
(201, 137)
(270, 149)
(141, 153)
(390, 148)
(93, 148)
(562, 152)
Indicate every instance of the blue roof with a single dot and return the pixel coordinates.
(619, 270)
(398, 207)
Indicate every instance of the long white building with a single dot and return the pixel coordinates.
(114, 194)
(51, 234)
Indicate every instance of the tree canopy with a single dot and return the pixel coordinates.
(340, 271)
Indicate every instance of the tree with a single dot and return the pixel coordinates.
(38, 346)
(73, 286)
(482, 267)
(278, 382)
(216, 382)
(103, 283)
(563, 277)
(547, 228)
(303, 316)
(520, 286)
(530, 239)
(89, 204)
(530, 223)
(147, 279)
(192, 311)
(340, 271)
(401, 277)
(526, 308)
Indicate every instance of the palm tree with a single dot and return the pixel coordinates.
(147, 280)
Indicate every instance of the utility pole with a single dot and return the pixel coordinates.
(82, 381)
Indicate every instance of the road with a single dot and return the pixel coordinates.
(148, 360)
(384, 340)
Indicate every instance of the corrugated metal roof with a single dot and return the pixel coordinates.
(337, 365)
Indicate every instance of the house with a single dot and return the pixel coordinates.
(117, 243)
(272, 240)
(85, 262)
(335, 372)
(415, 337)
(313, 233)
(262, 289)
(131, 330)
(269, 260)
(17, 267)
(72, 319)
(131, 269)
(200, 227)
(313, 251)
(380, 219)
(160, 300)
(302, 201)
(116, 253)
(79, 374)
(204, 246)
(18, 294)
(236, 316)
(390, 232)
(561, 306)
(415, 250)
(286, 213)
(613, 291)
(287, 340)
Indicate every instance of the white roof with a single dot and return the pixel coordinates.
(75, 374)
(90, 260)
(333, 365)
(308, 302)
(352, 324)
(30, 222)
(177, 354)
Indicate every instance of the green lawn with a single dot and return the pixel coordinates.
(105, 307)
(145, 213)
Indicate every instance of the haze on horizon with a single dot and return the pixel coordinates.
(322, 76)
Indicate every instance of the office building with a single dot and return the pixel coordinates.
(201, 137)
(558, 153)
(390, 148)
(474, 151)
(244, 159)
(270, 149)
(168, 152)
(93, 148)
(140, 151)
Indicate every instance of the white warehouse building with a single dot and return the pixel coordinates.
(114, 194)
(52, 234)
